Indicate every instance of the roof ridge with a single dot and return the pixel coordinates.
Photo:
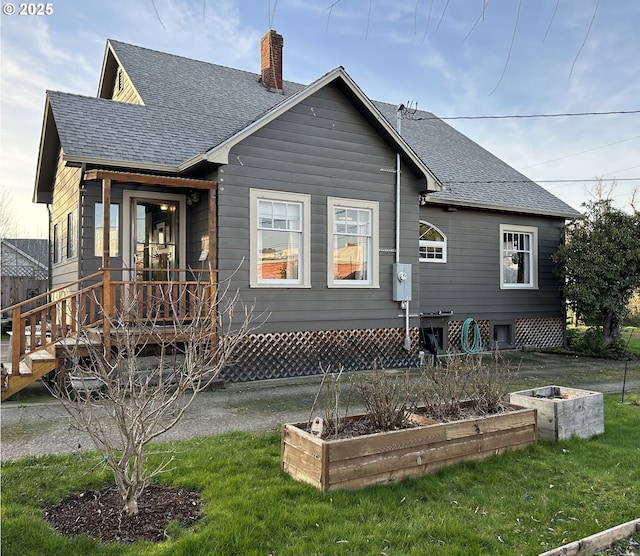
(189, 59)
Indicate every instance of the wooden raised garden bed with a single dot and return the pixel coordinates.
(384, 457)
(564, 412)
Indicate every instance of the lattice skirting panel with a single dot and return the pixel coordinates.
(539, 332)
(281, 355)
(454, 335)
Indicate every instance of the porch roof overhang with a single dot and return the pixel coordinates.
(149, 179)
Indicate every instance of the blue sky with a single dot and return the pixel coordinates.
(451, 57)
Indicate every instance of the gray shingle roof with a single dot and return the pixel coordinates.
(470, 174)
(25, 257)
(191, 106)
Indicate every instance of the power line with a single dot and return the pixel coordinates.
(581, 152)
(460, 182)
(522, 116)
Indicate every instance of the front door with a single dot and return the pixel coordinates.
(155, 251)
(156, 244)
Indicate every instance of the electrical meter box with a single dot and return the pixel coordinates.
(401, 282)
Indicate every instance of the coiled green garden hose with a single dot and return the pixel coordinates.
(475, 347)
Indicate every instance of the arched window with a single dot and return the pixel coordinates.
(433, 244)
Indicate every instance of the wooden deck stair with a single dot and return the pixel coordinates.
(33, 366)
(36, 364)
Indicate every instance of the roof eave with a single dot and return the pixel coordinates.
(46, 160)
(77, 160)
(515, 210)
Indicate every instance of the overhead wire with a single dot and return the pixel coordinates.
(453, 182)
(513, 40)
(581, 152)
(524, 116)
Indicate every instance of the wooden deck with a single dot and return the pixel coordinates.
(97, 309)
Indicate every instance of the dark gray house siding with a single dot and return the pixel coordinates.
(325, 148)
(468, 284)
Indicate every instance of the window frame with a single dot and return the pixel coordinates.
(72, 234)
(304, 263)
(97, 224)
(430, 243)
(532, 231)
(57, 243)
(373, 271)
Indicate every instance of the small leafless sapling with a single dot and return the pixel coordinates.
(168, 343)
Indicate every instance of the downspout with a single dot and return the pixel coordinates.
(51, 247)
(403, 304)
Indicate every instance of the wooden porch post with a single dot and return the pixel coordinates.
(107, 298)
(17, 341)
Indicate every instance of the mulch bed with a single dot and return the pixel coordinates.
(101, 514)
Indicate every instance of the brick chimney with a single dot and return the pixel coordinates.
(271, 60)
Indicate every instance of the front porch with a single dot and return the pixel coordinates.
(95, 310)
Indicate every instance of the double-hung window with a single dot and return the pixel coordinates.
(280, 241)
(519, 256)
(432, 244)
(353, 243)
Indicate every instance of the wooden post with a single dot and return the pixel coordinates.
(107, 298)
(17, 340)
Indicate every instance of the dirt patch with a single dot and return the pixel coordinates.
(360, 425)
(100, 514)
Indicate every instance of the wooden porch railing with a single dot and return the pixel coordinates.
(42, 321)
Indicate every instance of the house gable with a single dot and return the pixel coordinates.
(338, 77)
(322, 147)
(115, 83)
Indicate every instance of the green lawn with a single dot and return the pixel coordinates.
(520, 503)
(631, 338)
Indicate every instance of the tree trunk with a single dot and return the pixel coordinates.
(131, 504)
(610, 331)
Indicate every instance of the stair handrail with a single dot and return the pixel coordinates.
(48, 293)
(19, 319)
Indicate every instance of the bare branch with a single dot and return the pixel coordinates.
(167, 347)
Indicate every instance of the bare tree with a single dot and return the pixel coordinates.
(8, 223)
(166, 348)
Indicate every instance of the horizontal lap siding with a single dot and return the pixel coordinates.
(469, 282)
(65, 199)
(322, 147)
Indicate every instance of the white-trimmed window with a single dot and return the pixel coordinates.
(432, 244)
(519, 256)
(352, 258)
(280, 239)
